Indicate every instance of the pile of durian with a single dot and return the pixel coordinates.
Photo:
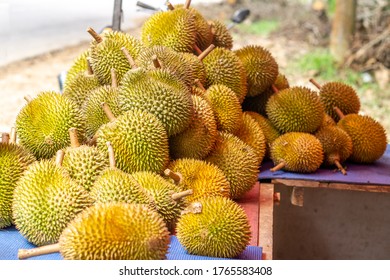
(161, 135)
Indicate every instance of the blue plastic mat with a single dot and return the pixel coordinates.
(377, 173)
(11, 241)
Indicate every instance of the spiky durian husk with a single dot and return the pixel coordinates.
(14, 160)
(237, 160)
(84, 164)
(225, 67)
(42, 124)
(226, 107)
(220, 229)
(327, 121)
(337, 144)
(252, 134)
(137, 146)
(80, 87)
(221, 35)
(368, 137)
(199, 72)
(174, 29)
(160, 191)
(205, 179)
(340, 95)
(45, 201)
(301, 152)
(170, 60)
(198, 139)
(108, 55)
(260, 67)
(295, 109)
(80, 64)
(92, 110)
(160, 93)
(115, 231)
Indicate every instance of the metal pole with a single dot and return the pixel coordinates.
(117, 15)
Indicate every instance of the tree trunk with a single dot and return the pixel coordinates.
(343, 28)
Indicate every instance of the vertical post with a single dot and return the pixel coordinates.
(117, 15)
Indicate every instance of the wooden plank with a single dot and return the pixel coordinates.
(297, 183)
(266, 217)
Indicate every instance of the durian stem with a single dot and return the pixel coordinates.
(169, 6)
(111, 155)
(74, 141)
(278, 167)
(338, 112)
(275, 89)
(175, 176)
(5, 137)
(129, 58)
(12, 139)
(59, 157)
(89, 67)
(187, 4)
(180, 195)
(340, 167)
(94, 34)
(317, 85)
(114, 81)
(28, 98)
(110, 115)
(206, 52)
(197, 49)
(156, 62)
(199, 84)
(47, 249)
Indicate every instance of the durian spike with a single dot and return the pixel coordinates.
(74, 141)
(199, 84)
(94, 34)
(197, 49)
(5, 137)
(43, 250)
(129, 58)
(340, 167)
(12, 139)
(175, 176)
(275, 89)
(315, 83)
(206, 52)
(60, 157)
(110, 115)
(114, 80)
(111, 155)
(169, 6)
(187, 4)
(89, 67)
(180, 195)
(156, 62)
(278, 167)
(338, 112)
(28, 98)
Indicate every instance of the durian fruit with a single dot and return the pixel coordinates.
(226, 107)
(80, 64)
(340, 95)
(260, 67)
(110, 231)
(237, 161)
(337, 146)
(106, 53)
(92, 111)
(79, 88)
(45, 200)
(83, 163)
(269, 130)
(251, 133)
(14, 160)
(175, 29)
(214, 226)
(368, 137)
(193, 62)
(158, 92)
(205, 179)
(224, 67)
(295, 109)
(198, 139)
(168, 198)
(221, 35)
(297, 152)
(327, 121)
(258, 103)
(139, 140)
(114, 185)
(42, 124)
